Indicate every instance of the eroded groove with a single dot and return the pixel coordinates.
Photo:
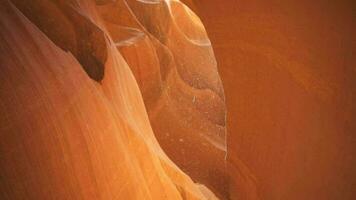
(81, 37)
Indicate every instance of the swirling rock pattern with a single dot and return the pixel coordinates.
(82, 85)
(168, 50)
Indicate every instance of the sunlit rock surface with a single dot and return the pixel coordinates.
(121, 99)
(168, 50)
(83, 83)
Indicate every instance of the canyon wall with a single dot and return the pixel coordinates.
(122, 99)
(288, 70)
(80, 89)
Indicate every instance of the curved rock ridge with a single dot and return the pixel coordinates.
(93, 95)
(170, 55)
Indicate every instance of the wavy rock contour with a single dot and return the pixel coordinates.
(83, 82)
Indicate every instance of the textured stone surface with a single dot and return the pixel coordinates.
(73, 121)
(288, 69)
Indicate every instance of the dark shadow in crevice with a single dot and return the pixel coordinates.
(69, 30)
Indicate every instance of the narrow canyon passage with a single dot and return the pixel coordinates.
(177, 100)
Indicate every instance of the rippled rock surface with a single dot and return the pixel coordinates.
(170, 55)
(95, 94)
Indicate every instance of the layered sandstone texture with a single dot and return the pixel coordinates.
(90, 93)
(289, 74)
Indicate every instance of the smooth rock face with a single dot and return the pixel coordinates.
(121, 99)
(288, 70)
(83, 82)
(168, 51)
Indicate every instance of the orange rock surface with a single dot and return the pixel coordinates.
(121, 99)
(288, 69)
(73, 119)
(174, 65)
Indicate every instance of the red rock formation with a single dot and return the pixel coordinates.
(288, 71)
(94, 94)
(172, 60)
(73, 122)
